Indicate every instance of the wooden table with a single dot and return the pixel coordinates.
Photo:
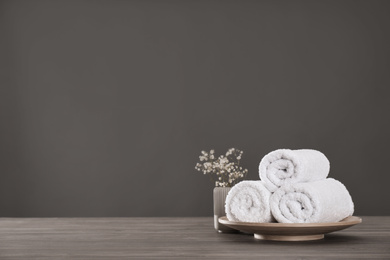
(176, 238)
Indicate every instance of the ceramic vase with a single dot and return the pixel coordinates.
(220, 194)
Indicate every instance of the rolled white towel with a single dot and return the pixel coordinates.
(248, 201)
(312, 202)
(286, 166)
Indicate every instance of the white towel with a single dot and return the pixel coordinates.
(248, 201)
(312, 202)
(286, 166)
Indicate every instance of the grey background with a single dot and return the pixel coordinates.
(106, 105)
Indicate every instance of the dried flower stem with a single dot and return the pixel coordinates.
(224, 170)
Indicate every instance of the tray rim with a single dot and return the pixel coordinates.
(351, 220)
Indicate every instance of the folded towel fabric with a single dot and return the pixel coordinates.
(286, 166)
(312, 202)
(248, 201)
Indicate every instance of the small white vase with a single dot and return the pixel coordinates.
(220, 194)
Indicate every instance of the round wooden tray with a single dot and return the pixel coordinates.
(290, 231)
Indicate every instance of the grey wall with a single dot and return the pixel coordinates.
(106, 105)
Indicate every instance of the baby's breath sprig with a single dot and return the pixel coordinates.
(225, 170)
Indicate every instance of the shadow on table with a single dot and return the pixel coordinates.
(328, 240)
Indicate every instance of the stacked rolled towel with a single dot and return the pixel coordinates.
(320, 201)
(293, 189)
(285, 166)
(248, 201)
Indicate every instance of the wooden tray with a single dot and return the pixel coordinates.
(290, 232)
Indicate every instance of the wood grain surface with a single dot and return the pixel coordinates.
(176, 238)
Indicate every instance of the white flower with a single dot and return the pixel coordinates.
(223, 167)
